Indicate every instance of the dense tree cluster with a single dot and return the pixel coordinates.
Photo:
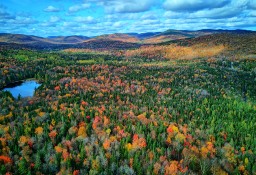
(120, 117)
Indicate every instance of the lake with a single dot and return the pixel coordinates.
(25, 88)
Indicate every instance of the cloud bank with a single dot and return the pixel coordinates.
(96, 17)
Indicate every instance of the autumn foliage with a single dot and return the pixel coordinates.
(191, 113)
(175, 52)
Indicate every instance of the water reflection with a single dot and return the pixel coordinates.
(24, 89)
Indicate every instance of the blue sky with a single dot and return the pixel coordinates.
(96, 17)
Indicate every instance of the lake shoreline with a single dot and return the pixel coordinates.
(24, 88)
(16, 83)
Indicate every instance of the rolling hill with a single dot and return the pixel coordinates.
(143, 36)
(30, 39)
(172, 35)
(68, 39)
(128, 40)
(20, 38)
(116, 37)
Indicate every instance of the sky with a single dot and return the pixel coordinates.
(96, 17)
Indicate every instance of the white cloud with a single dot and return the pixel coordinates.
(52, 22)
(216, 13)
(54, 19)
(123, 16)
(193, 5)
(252, 4)
(4, 15)
(132, 16)
(124, 6)
(118, 24)
(84, 19)
(48, 24)
(23, 20)
(150, 22)
(77, 8)
(252, 13)
(70, 24)
(235, 8)
(51, 9)
(149, 15)
(175, 15)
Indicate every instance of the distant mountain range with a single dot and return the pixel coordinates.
(68, 39)
(118, 40)
(30, 39)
